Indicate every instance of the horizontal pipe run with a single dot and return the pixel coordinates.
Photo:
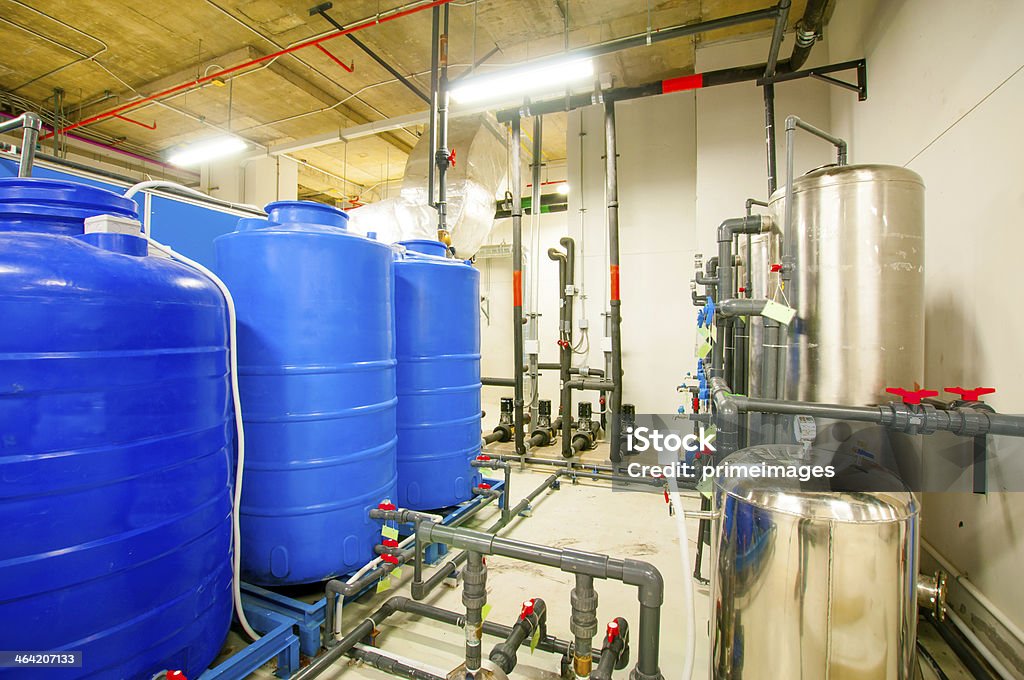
(594, 385)
(385, 663)
(498, 382)
(793, 122)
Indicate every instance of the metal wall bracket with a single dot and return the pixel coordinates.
(860, 66)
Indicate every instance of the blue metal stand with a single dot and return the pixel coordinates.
(289, 626)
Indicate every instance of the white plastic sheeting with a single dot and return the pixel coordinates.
(473, 184)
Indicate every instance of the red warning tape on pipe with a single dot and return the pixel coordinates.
(682, 83)
(615, 281)
(517, 289)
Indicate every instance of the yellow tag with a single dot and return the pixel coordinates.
(535, 639)
(703, 349)
(384, 584)
(397, 572)
(485, 472)
(710, 432)
(484, 612)
(389, 532)
(704, 333)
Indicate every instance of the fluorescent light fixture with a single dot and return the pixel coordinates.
(519, 81)
(207, 150)
(563, 188)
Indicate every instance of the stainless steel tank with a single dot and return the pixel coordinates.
(809, 583)
(859, 234)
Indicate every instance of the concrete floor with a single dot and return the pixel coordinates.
(585, 516)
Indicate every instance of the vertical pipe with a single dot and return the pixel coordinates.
(532, 331)
(565, 394)
(769, 130)
(615, 310)
(647, 659)
(583, 624)
(565, 355)
(435, 32)
(474, 597)
(441, 153)
(516, 187)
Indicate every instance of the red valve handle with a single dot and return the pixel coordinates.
(528, 606)
(485, 485)
(390, 559)
(696, 404)
(386, 505)
(483, 457)
(970, 395)
(176, 675)
(451, 158)
(612, 632)
(776, 268)
(911, 397)
(389, 543)
(742, 289)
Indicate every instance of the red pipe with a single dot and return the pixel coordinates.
(333, 58)
(217, 75)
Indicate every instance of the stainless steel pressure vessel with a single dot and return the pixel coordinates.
(809, 583)
(859, 235)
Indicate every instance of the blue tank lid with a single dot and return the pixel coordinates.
(53, 206)
(249, 223)
(285, 212)
(426, 246)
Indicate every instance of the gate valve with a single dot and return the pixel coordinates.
(451, 158)
(911, 397)
(612, 632)
(776, 268)
(527, 609)
(386, 505)
(970, 395)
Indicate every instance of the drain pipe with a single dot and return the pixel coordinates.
(565, 345)
(614, 303)
(516, 187)
(644, 576)
(564, 349)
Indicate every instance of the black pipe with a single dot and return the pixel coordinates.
(322, 11)
(533, 617)
(498, 382)
(807, 31)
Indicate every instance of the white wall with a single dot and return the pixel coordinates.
(258, 181)
(686, 162)
(946, 98)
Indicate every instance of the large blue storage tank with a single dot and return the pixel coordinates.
(115, 443)
(317, 380)
(437, 329)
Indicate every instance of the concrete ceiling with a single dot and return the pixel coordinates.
(104, 53)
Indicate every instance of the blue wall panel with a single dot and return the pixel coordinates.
(188, 228)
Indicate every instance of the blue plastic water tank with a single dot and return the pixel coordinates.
(115, 438)
(437, 333)
(317, 380)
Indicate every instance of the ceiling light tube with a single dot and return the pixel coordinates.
(539, 78)
(208, 150)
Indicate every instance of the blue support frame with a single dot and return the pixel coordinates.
(281, 641)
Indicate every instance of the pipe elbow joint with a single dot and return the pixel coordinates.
(648, 580)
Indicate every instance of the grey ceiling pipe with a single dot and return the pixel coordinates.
(644, 576)
(516, 188)
(614, 302)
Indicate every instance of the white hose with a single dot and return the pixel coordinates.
(164, 184)
(688, 605)
(239, 430)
